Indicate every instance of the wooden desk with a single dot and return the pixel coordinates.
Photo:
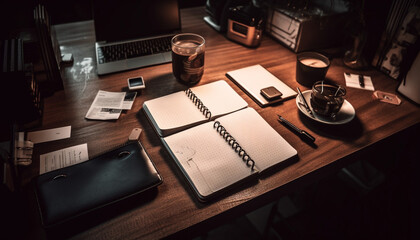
(172, 209)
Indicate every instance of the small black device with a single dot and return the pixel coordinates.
(271, 93)
(136, 83)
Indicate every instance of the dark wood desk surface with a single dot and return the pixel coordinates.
(172, 209)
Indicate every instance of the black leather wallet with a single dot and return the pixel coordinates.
(70, 192)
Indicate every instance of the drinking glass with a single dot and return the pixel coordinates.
(188, 57)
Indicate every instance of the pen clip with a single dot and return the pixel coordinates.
(306, 136)
(361, 81)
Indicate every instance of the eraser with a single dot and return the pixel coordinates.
(135, 134)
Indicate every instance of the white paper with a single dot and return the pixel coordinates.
(352, 80)
(106, 106)
(49, 134)
(210, 162)
(63, 158)
(254, 78)
(176, 111)
(129, 100)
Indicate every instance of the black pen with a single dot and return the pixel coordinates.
(361, 80)
(305, 136)
(308, 109)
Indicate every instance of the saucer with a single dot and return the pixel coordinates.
(345, 115)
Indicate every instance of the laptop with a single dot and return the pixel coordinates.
(134, 34)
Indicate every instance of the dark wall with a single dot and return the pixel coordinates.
(14, 15)
(68, 11)
(18, 14)
(80, 10)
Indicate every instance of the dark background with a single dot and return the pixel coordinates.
(18, 14)
(391, 211)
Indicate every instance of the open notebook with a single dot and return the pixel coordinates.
(218, 155)
(184, 109)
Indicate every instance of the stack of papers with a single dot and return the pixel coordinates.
(108, 105)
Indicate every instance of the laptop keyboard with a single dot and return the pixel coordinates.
(128, 50)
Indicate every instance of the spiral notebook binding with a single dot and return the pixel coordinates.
(234, 144)
(197, 102)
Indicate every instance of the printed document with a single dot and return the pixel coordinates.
(108, 105)
(63, 158)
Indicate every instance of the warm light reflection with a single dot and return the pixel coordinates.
(82, 71)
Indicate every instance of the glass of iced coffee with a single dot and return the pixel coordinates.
(188, 57)
(327, 98)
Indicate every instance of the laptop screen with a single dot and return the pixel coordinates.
(128, 19)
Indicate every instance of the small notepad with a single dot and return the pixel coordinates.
(352, 80)
(254, 78)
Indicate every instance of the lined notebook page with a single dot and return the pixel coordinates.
(208, 162)
(262, 143)
(176, 111)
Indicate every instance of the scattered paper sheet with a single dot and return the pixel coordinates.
(129, 100)
(49, 134)
(106, 106)
(352, 80)
(63, 158)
